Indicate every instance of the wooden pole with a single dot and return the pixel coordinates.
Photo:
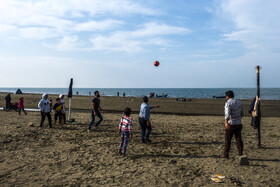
(258, 94)
(69, 113)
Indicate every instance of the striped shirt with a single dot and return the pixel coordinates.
(126, 124)
(233, 112)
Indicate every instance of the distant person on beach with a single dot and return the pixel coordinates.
(21, 106)
(123, 94)
(58, 112)
(96, 110)
(125, 129)
(8, 102)
(63, 104)
(44, 105)
(233, 124)
(144, 120)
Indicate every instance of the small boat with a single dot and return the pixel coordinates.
(218, 97)
(162, 95)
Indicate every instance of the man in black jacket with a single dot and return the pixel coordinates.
(8, 101)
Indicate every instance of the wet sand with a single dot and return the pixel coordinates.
(184, 149)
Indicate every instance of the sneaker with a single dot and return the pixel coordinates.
(143, 141)
(88, 130)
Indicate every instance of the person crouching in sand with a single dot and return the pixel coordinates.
(21, 106)
(44, 105)
(58, 112)
(125, 129)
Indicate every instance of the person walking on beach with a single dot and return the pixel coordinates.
(44, 105)
(63, 107)
(144, 119)
(233, 124)
(8, 102)
(58, 112)
(21, 106)
(96, 110)
(125, 129)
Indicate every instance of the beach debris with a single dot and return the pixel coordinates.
(235, 181)
(242, 160)
(172, 161)
(30, 124)
(218, 178)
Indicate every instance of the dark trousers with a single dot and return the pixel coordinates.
(8, 107)
(44, 114)
(144, 127)
(63, 116)
(236, 131)
(20, 110)
(93, 118)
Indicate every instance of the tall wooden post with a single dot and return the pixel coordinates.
(70, 98)
(69, 113)
(258, 94)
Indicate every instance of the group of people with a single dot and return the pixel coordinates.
(125, 126)
(233, 115)
(17, 106)
(47, 108)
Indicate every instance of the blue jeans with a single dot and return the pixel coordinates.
(143, 126)
(93, 117)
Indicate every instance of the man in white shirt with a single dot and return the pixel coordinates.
(233, 124)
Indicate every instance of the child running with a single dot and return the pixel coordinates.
(58, 109)
(125, 129)
(21, 106)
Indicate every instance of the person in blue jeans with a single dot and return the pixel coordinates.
(144, 120)
(96, 110)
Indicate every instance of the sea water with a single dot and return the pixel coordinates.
(203, 93)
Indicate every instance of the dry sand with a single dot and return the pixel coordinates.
(183, 152)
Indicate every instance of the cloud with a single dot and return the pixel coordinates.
(63, 17)
(136, 40)
(255, 23)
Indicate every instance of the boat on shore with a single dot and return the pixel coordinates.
(162, 95)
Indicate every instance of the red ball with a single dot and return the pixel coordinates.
(156, 63)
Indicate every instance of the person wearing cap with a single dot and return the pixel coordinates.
(144, 119)
(233, 124)
(44, 105)
(61, 96)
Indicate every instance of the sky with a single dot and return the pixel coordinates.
(114, 43)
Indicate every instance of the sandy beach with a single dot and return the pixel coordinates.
(187, 138)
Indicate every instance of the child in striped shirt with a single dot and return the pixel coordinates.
(125, 129)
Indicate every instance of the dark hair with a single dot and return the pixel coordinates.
(96, 92)
(127, 111)
(230, 94)
(57, 99)
(145, 99)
